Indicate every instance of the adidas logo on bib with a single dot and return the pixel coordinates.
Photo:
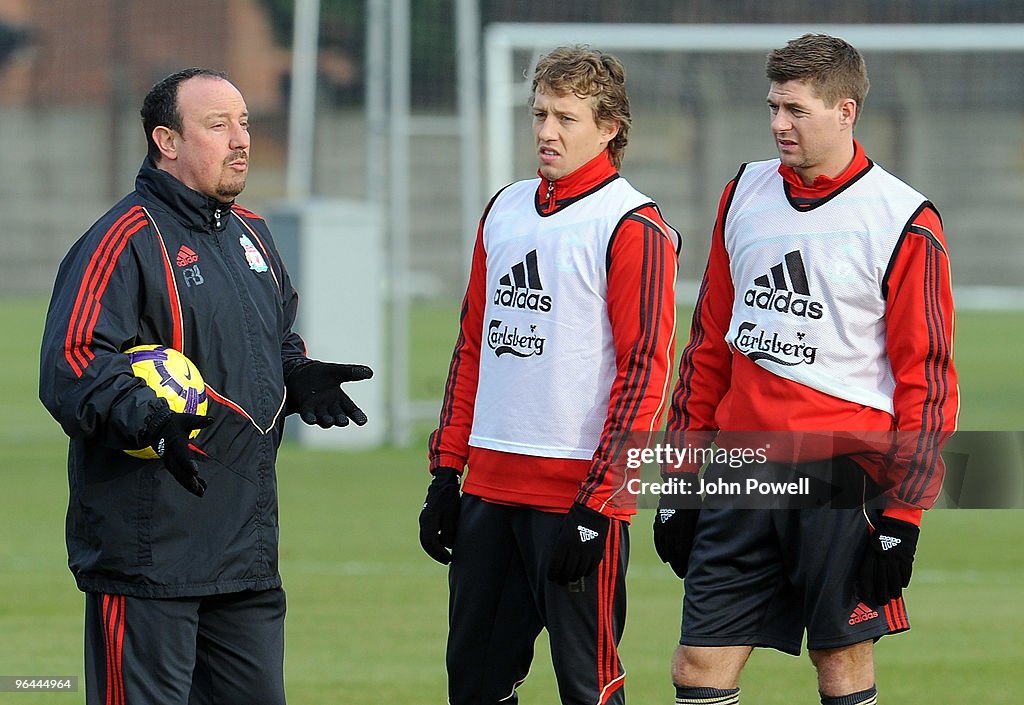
(785, 289)
(586, 534)
(521, 287)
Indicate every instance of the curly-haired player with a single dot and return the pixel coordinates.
(564, 348)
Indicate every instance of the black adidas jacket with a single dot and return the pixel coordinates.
(170, 266)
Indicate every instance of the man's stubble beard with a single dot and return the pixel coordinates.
(229, 191)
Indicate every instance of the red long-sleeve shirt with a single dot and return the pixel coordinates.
(720, 390)
(641, 272)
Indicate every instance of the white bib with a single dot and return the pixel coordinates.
(547, 360)
(809, 303)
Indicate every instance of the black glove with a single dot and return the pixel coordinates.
(440, 515)
(888, 561)
(675, 525)
(314, 391)
(170, 441)
(579, 546)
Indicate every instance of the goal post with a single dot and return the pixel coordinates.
(502, 39)
(944, 113)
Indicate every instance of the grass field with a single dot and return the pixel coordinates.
(367, 610)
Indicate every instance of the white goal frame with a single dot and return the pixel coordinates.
(505, 94)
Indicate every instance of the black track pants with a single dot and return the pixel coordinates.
(221, 649)
(501, 599)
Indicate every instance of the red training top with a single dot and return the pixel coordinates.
(719, 391)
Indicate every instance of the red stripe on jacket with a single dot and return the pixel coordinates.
(178, 328)
(245, 212)
(97, 273)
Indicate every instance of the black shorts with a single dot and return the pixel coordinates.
(762, 576)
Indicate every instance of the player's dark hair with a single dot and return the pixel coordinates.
(160, 108)
(588, 73)
(830, 65)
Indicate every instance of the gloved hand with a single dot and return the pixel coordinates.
(887, 561)
(675, 525)
(579, 546)
(440, 515)
(314, 391)
(170, 441)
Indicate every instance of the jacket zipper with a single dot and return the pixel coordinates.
(216, 219)
(551, 197)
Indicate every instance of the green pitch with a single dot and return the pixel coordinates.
(367, 610)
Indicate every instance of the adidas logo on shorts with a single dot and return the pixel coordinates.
(586, 534)
(861, 613)
(666, 514)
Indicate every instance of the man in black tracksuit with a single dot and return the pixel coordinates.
(178, 556)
